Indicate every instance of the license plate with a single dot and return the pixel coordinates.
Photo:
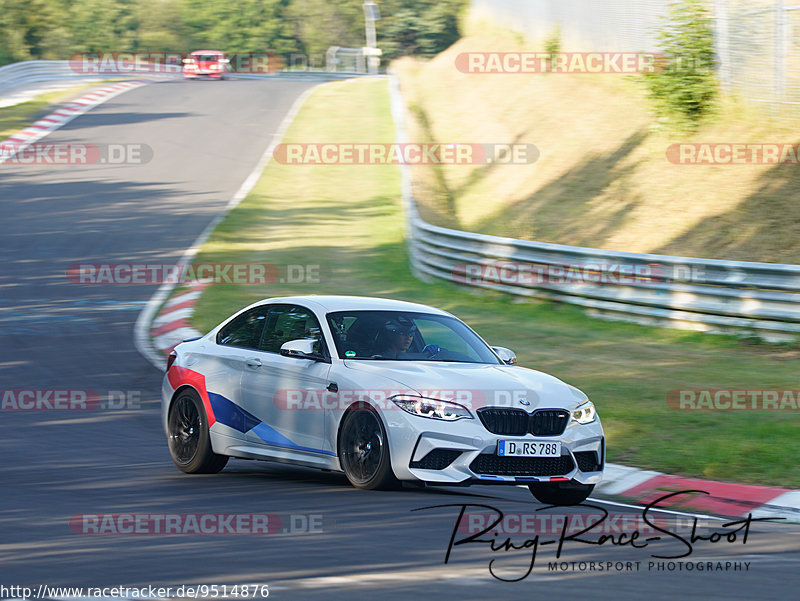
(518, 448)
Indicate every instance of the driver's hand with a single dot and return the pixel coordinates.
(432, 349)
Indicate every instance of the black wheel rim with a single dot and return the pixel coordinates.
(362, 446)
(184, 430)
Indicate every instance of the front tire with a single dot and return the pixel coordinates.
(364, 451)
(189, 440)
(561, 493)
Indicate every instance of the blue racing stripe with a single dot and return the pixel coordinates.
(275, 438)
(230, 414)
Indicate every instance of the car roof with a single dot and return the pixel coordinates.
(206, 52)
(329, 303)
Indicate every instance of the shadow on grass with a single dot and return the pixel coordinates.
(438, 204)
(767, 219)
(561, 208)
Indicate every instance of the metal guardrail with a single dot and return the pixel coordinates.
(684, 292)
(29, 72)
(18, 74)
(294, 74)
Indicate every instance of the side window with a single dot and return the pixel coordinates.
(290, 322)
(245, 330)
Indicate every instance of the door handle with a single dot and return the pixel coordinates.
(254, 362)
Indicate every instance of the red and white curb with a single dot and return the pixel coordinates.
(64, 114)
(723, 498)
(171, 326)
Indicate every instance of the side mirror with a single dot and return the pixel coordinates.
(224, 61)
(507, 356)
(300, 349)
(188, 60)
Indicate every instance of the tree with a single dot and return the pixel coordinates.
(686, 87)
(319, 25)
(418, 27)
(33, 29)
(25, 27)
(244, 26)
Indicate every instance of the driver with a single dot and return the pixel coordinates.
(398, 333)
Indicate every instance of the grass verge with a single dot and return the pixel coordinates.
(348, 221)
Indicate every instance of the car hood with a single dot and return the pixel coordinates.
(471, 384)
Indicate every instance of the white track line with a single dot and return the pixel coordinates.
(660, 510)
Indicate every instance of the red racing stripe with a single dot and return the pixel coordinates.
(180, 376)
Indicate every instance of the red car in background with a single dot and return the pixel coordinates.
(205, 63)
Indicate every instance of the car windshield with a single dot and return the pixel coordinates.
(406, 336)
(207, 58)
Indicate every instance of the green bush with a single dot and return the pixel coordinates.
(552, 45)
(684, 86)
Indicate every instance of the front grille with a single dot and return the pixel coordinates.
(509, 422)
(437, 459)
(522, 466)
(549, 422)
(516, 422)
(587, 461)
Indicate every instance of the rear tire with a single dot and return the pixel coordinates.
(189, 440)
(364, 451)
(561, 493)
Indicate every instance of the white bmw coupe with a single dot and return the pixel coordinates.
(383, 390)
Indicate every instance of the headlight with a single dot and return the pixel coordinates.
(585, 413)
(432, 408)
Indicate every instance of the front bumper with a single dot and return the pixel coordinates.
(202, 73)
(468, 452)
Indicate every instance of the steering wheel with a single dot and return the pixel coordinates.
(432, 350)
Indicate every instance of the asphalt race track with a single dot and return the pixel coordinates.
(206, 138)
